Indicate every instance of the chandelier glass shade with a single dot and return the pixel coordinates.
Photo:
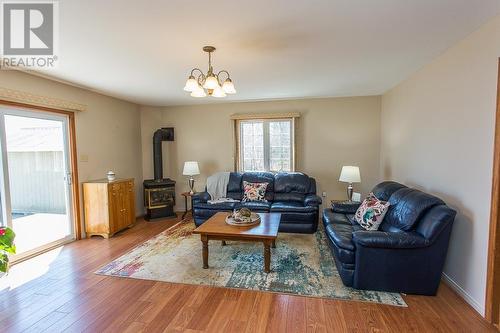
(209, 83)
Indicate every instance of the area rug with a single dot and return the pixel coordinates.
(301, 264)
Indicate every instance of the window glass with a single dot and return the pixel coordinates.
(266, 145)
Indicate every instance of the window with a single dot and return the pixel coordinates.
(266, 145)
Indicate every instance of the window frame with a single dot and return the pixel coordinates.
(266, 138)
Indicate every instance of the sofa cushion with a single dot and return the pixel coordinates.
(291, 186)
(312, 186)
(341, 235)
(260, 177)
(435, 221)
(234, 187)
(258, 206)
(407, 207)
(291, 196)
(291, 182)
(291, 206)
(339, 229)
(384, 190)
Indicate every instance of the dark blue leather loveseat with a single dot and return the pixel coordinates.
(406, 254)
(293, 194)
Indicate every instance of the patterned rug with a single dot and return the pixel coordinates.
(301, 264)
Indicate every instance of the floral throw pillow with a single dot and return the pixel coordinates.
(254, 191)
(371, 212)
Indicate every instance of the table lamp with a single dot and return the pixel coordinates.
(350, 174)
(191, 169)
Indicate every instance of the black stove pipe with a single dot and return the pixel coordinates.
(163, 134)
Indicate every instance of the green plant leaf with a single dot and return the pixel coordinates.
(4, 262)
(7, 241)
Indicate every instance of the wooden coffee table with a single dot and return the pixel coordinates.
(216, 228)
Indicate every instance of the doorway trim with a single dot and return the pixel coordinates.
(75, 191)
(492, 305)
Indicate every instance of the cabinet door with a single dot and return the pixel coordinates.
(130, 202)
(115, 207)
(124, 211)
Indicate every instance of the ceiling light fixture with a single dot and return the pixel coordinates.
(209, 83)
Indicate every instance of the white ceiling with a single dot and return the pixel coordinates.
(142, 51)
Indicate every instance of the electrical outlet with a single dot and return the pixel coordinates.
(323, 194)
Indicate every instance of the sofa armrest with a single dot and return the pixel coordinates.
(200, 197)
(312, 200)
(389, 240)
(345, 207)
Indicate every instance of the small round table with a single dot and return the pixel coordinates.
(186, 195)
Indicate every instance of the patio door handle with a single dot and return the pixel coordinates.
(69, 178)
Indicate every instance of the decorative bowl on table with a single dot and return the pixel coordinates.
(243, 217)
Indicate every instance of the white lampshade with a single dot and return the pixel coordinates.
(198, 92)
(191, 168)
(228, 87)
(211, 82)
(218, 92)
(191, 84)
(350, 174)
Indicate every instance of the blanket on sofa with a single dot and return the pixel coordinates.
(217, 185)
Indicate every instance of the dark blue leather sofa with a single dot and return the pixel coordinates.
(406, 254)
(293, 194)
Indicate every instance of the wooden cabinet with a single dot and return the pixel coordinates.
(109, 206)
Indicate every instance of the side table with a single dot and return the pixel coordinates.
(345, 202)
(186, 195)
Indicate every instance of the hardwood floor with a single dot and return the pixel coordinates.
(58, 291)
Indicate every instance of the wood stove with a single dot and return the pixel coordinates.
(159, 193)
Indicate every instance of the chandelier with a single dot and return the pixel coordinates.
(210, 83)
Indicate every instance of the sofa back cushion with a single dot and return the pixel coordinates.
(312, 186)
(435, 221)
(384, 190)
(259, 177)
(234, 187)
(291, 186)
(407, 206)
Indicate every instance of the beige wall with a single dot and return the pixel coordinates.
(108, 132)
(331, 132)
(437, 135)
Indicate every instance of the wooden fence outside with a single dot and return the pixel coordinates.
(37, 183)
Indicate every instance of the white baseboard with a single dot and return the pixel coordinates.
(460, 291)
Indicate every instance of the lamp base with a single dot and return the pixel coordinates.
(191, 185)
(349, 192)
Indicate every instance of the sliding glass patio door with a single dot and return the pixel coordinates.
(36, 179)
